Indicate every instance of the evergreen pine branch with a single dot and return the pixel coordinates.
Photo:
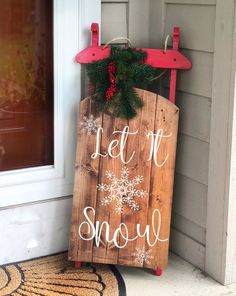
(130, 72)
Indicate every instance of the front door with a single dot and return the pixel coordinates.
(39, 96)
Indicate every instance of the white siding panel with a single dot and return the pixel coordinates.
(195, 115)
(192, 158)
(126, 19)
(190, 200)
(114, 21)
(189, 228)
(187, 248)
(196, 22)
(155, 21)
(198, 80)
(138, 22)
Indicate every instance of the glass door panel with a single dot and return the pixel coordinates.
(26, 83)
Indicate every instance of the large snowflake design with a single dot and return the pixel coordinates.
(141, 255)
(122, 190)
(89, 124)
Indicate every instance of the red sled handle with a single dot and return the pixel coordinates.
(158, 58)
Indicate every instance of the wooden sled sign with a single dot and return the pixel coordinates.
(123, 185)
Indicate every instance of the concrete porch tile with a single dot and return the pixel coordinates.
(180, 279)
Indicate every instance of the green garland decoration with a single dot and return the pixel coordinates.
(114, 79)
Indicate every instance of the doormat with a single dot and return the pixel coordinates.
(56, 276)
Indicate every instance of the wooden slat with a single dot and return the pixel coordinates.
(162, 178)
(144, 122)
(107, 252)
(85, 191)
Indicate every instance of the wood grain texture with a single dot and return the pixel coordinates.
(157, 183)
(86, 178)
(107, 252)
(162, 178)
(143, 122)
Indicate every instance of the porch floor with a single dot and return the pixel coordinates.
(180, 279)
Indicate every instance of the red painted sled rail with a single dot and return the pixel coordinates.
(158, 58)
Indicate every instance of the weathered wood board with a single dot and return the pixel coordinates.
(123, 187)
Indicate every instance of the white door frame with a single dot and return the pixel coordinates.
(220, 257)
(35, 203)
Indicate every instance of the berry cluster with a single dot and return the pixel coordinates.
(112, 88)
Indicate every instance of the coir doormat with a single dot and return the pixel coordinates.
(56, 276)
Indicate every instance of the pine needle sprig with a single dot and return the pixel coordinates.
(130, 72)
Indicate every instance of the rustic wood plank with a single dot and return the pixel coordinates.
(107, 252)
(86, 173)
(139, 166)
(162, 179)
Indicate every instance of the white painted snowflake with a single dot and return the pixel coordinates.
(122, 190)
(141, 255)
(89, 124)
